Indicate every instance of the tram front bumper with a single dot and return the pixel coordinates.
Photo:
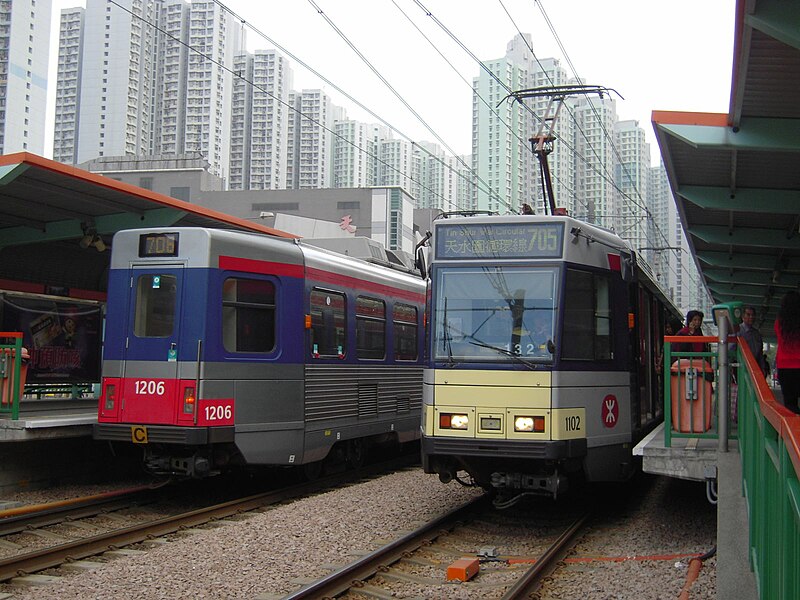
(534, 450)
(162, 434)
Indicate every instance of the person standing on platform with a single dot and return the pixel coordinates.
(787, 359)
(752, 336)
(694, 320)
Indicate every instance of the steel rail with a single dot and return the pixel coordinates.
(526, 584)
(343, 579)
(78, 510)
(350, 576)
(79, 549)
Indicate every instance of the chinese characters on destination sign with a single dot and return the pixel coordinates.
(533, 240)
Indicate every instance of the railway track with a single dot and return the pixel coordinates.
(56, 554)
(514, 551)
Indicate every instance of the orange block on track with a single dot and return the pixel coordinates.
(463, 569)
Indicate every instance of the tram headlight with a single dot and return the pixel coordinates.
(529, 424)
(453, 421)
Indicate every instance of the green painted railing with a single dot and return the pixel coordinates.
(690, 396)
(769, 443)
(10, 372)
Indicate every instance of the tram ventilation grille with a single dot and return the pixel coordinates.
(403, 404)
(367, 400)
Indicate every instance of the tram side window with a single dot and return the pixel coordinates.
(587, 317)
(370, 328)
(405, 332)
(248, 315)
(155, 305)
(327, 323)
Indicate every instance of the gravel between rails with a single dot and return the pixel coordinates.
(270, 554)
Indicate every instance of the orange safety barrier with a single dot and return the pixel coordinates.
(692, 395)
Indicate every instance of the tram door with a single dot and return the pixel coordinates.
(150, 371)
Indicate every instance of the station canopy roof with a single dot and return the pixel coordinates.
(47, 209)
(736, 176)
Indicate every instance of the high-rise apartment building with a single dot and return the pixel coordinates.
(671, 258)
(664, 250)
(631, 174)
(311, 139)
(259, 124)
(70, 62)
(396, 163)
(439, 180)
(594, 164)
(354, 155)
(24, 53)
(172, 78)
(501, 157)
(141, 91)
(208, 89)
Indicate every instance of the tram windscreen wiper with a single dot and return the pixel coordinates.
(516, 357)
(447, 338)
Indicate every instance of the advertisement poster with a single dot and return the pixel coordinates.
(64, 338)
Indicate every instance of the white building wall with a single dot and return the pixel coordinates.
(396, 160)
(659, 201)
(315, 140)
(209, 84)
(549, 72)
(116, 84)
(502, 160)
(24, 54)
(142, 92)
(393, 219)
(353, 155)
(171, 79)
(436, 181)
(631, 172)
(70, 63)
(240, 130)
(595, 119)
(293, 141)
(260, 136)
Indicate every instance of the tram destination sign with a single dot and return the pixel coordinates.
(501, 240)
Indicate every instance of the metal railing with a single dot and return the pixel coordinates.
(769, 443)
(691, 391)
(10, 372)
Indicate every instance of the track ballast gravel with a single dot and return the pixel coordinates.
(272, 553)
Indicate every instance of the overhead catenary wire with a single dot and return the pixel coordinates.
(399, 96)
(502, 84)
(642, 204)
(271, 95)
(294, 57)
(607, 177)
(455, 70)
(476, 94)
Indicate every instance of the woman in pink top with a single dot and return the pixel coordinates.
(787, 358)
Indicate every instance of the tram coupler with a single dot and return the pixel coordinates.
(552, 484)
(180, 466)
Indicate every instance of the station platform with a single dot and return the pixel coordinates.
(688, 458)
(699, 459)
(49, 418)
